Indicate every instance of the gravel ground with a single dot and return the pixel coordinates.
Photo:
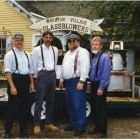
(122, 124)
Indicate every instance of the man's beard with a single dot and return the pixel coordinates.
(47, 43)
(95, 52)
(73, 48)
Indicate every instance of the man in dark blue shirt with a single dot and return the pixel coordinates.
(100, 77)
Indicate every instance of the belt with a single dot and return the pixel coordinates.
(47, 71)
(74, 78)
(19, 75)
(95, 81)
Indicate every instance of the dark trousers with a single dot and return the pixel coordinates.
(45, 90)
(22, 85)
(76, 103)
(98, 104)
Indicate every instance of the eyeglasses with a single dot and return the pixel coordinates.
(71, 40)
(19, 40)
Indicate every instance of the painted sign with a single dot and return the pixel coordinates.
(66, 23)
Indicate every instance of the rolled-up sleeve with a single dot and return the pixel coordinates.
(84, 64)
(8, 63)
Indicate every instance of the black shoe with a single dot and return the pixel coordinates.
(25, 132)
(79, 132)
(100, 135)
(7, 135)
(92, 131)
(69, 128)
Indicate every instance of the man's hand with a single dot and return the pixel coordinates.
(61, 85)
(13, 90)
(89, 89)
(99, 92)
(31, 87)
(80, 86)
(10, 81)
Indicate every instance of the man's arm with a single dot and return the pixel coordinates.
(34, 61)
(56, 58)
(84, 67)
(31, 74)
(61, 81)
(10, 81)
(61, 77)
(105, 77)
(8, 62)
(32, 83)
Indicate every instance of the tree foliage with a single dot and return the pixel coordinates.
(121, 18)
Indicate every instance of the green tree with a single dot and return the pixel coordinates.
(121, 18)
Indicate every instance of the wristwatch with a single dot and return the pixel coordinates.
(81, 81)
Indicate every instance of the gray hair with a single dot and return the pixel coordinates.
(97, 38)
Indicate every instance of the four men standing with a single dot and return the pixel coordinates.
(75, 70)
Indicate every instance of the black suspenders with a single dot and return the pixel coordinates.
(27, 58)
(43, 57)
(17, 60)
(98, 64)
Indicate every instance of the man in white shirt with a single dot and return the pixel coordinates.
(44, 60)
(19, 73)
(75, 69)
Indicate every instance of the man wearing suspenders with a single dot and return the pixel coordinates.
(75, 69)
(44, 59)
(19, 73)
(100, 77)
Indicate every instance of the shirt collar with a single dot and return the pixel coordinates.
(98, 54)
(46, 47)
(15, 49)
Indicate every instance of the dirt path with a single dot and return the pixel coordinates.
(122, 124)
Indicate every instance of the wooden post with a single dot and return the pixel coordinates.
(133, 84)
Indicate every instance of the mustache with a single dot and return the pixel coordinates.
(47, 42)
(73, 47)
(19, 44)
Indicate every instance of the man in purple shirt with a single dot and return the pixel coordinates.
(100, 77)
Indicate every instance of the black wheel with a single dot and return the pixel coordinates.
(32, 108)
(31, 102)
(88, 107)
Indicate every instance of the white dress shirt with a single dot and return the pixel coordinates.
(48, 59)
(83, 65)
(10, 62)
